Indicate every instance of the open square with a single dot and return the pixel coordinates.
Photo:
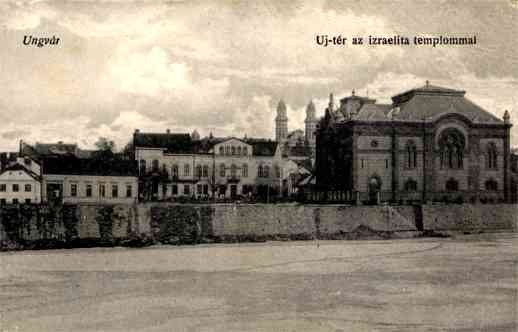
(465, 283)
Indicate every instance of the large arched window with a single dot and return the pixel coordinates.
(222, 170)
(238, 150)
(266, 171)
(492, 156)
(411, 154)
(491, 185)
(260, 171)
(233, 170)
(411, 185)
(233, 149)
(244, 170)
(205, 171)
(199, 171)
(451, 146)
(245, 150)
(155, 165)
(452, 185)
(221, 150)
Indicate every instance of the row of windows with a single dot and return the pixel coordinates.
(233, 170)
(264, 171)
(203, 189)
(15, 187)
(74, 189)
(452, 185)
(15, 201)
(451, 153)
(233, 151)
(202, 171)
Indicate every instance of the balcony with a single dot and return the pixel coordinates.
(233, 179)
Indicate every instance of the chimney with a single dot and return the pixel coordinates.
(168, 131)
(137, 131)
(60, 142)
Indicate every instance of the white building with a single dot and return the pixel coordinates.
(20, 182)
(172, 165)
(74, 180)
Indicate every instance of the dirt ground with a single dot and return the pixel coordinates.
(466, 283)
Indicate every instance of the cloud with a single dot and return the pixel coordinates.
(14, 134)
(25, 15)
(222, 67)
(149, 73)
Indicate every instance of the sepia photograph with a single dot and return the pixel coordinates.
(286, 166)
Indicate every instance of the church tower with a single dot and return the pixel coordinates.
(281, 122)
(311, 124)
(195, 136)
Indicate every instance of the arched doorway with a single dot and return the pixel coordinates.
(374, 186)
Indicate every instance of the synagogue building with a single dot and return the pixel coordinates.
(430, 144)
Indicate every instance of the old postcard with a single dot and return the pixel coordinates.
(259, 165)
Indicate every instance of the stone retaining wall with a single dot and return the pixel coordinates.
(192, 223)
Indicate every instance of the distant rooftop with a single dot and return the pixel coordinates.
(427, 102)
(71, 165)
(182, 143)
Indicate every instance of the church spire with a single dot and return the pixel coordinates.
(311, 124)
(281, 122)
(310, 111)
(331, 103)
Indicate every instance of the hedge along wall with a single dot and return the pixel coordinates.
(470, 217)
(28, 222)
(67, 222)
(107, 222)
(191, 223)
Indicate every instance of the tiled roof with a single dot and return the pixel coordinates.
(18, 167)
(429, 103)
(262, 147)
(298, 151)
(428, 88)
(55, 148)
(171, 143)
(183, 143)
(373, 112)
(89, 166)
(430, 107)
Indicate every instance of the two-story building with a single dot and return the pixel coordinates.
(173, 165)
(20, 182)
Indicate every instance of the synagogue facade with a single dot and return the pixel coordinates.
(430, 143)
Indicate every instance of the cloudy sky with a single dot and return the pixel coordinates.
(222, 66)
